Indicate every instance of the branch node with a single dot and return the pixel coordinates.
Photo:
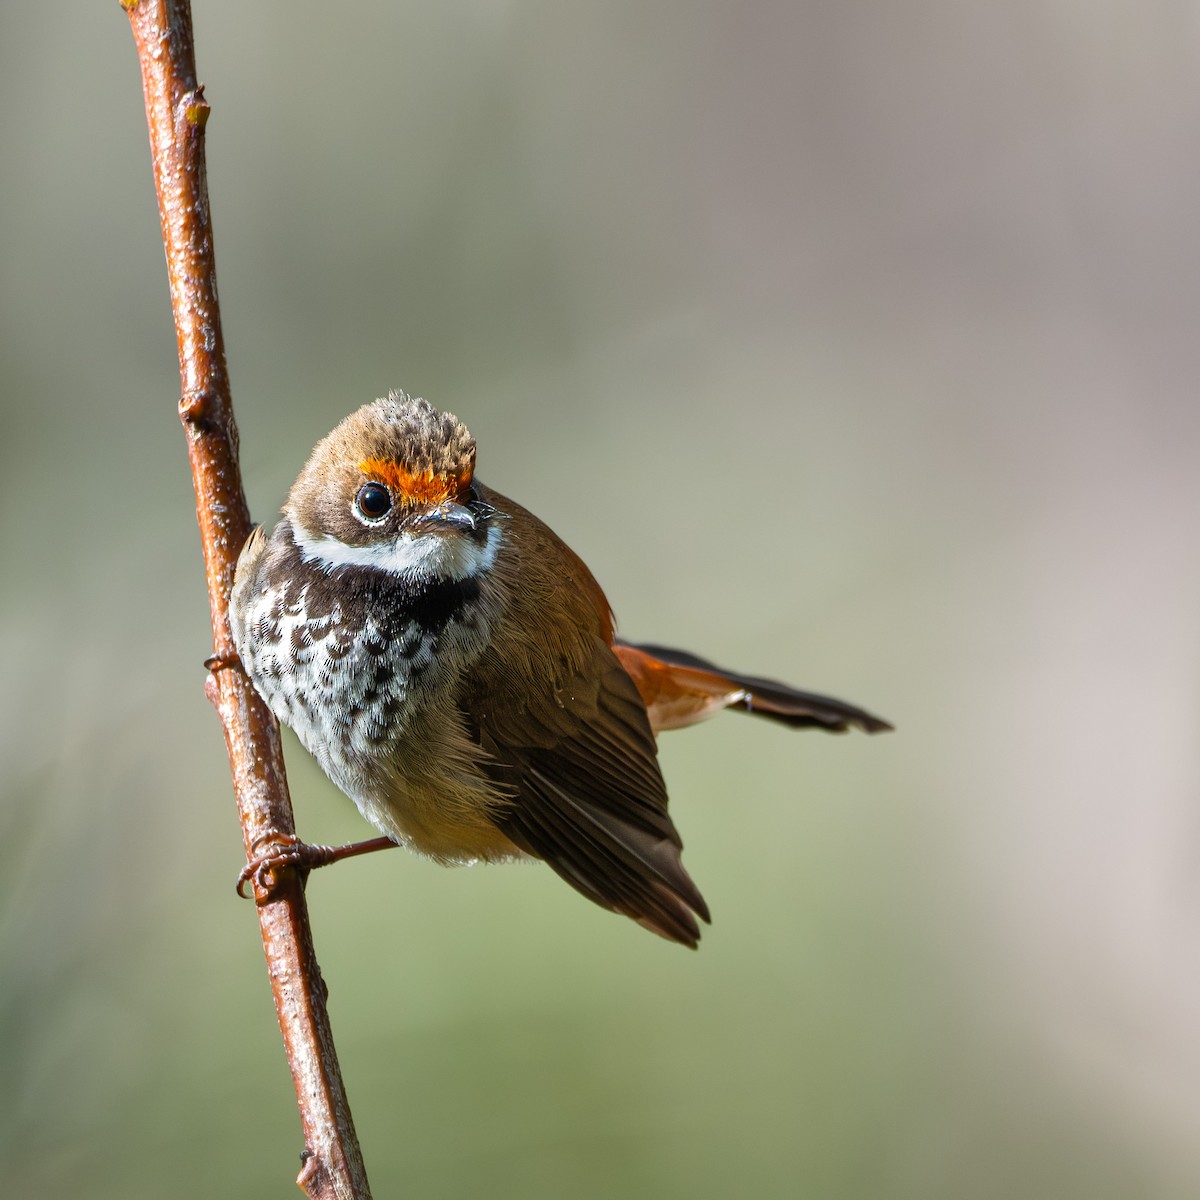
(223, 662)
(213, 664)
(199, 409)
(313, 1179)
(195, 108)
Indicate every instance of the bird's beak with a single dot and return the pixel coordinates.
(452, 514)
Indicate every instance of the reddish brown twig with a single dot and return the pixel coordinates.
(176, 112)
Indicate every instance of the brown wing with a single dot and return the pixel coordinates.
(679, 689)
(578, 755)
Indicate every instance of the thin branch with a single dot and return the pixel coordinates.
(176, 112)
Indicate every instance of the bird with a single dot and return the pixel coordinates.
(453, 667)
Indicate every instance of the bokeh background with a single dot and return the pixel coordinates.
(853, 344)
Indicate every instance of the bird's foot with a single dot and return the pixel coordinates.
(265, 872)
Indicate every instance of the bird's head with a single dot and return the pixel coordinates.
(392, 488)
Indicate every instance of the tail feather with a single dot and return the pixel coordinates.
(680, 689)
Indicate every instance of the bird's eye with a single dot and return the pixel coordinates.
(373, 501)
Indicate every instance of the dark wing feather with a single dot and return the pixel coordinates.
(589, 798)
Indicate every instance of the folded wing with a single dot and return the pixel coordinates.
(578, 756)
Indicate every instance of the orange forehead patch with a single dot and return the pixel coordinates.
(416, 488)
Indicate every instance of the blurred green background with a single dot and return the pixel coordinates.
(852, 344)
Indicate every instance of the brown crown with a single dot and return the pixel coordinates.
(426, 457)
(423, 443)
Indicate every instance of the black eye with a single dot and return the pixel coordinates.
(373, 501)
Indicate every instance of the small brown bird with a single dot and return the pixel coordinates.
(451, 665)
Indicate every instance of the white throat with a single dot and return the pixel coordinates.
(419, 557)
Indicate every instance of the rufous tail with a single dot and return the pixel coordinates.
(680, 689)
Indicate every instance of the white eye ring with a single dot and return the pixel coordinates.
(372, 503)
